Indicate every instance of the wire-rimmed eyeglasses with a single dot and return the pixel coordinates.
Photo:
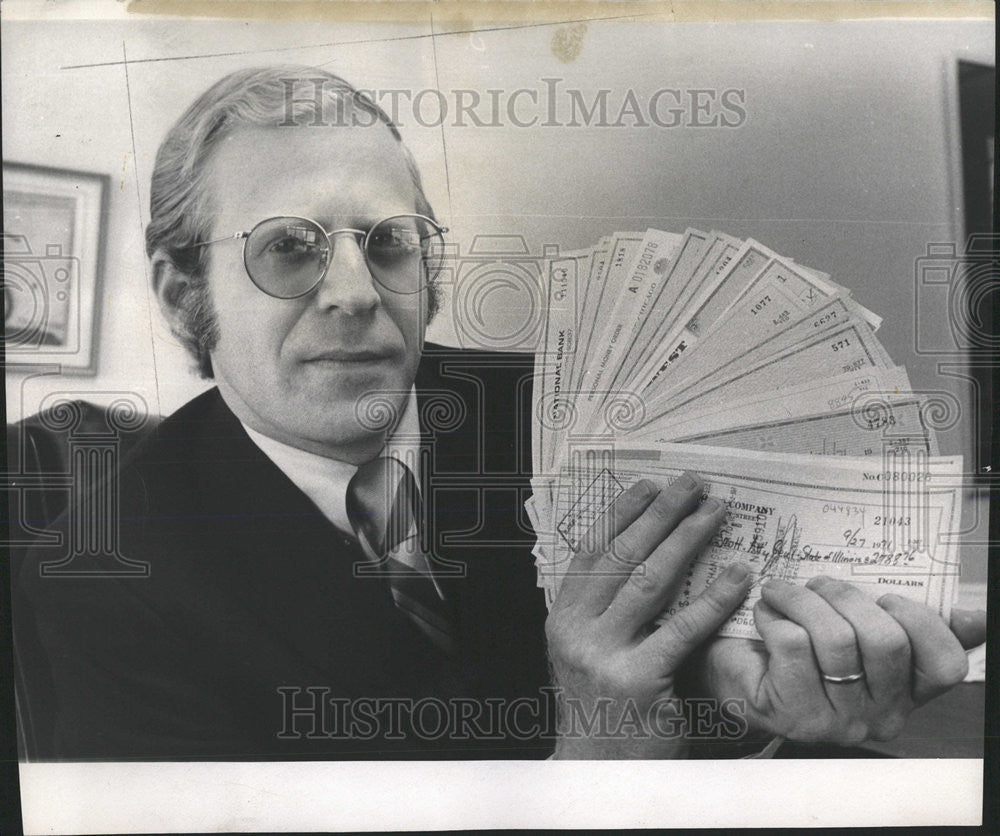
(288, 256)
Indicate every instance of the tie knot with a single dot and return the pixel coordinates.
(383, 504)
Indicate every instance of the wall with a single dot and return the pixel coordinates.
(843, 161)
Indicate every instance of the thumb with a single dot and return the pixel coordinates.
(969, 627)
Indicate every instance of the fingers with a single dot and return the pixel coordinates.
(624, 511)
(662, 516)
(969, 627)
(646, 590)
(939, 660)
(685, 631)
(609, 571)
(832, 636)
(577, 587)
(884, 645)
(792, 666)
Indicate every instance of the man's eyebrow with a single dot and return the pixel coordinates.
(327, 220)
(348, 221)
(355, 220)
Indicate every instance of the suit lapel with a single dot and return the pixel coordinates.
(449, 438)
(293, 571)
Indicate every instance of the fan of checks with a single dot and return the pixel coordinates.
(697, 350)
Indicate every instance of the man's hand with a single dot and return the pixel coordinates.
(907, 653)
(605, 660)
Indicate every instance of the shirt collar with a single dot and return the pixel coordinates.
(324, 480)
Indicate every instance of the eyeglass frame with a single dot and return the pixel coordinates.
(245, 235)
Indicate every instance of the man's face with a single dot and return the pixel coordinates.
(294, 369)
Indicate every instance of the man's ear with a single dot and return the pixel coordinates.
(172, 288)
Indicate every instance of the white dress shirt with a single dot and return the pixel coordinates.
(324, 480)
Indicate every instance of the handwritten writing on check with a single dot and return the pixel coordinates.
(795, 517)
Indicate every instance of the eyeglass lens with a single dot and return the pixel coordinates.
(287, 257)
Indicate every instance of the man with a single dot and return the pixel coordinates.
(292, 607)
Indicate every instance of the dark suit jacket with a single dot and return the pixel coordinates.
(250, 636)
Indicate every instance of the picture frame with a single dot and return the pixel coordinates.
(54, 223)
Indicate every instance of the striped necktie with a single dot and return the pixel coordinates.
(383, 506)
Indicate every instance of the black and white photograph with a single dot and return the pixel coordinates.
(455, 416)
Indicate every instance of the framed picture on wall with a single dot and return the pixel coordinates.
(53, 244)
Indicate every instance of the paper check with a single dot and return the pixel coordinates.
(806, 399)
(643, 276)
(884, 525)
(845, 433)
(721, 359)
(844, 350)
(670, 295)
(665, 352)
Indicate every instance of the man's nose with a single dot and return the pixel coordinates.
(348, 283)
